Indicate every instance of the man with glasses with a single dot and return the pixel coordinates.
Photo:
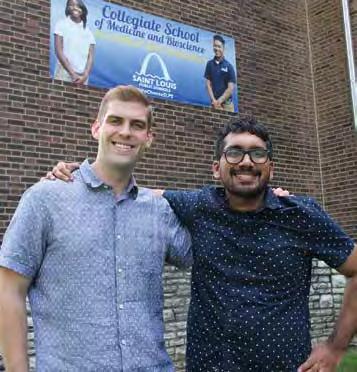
(252, 265)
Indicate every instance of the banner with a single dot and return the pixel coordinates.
(119, 45)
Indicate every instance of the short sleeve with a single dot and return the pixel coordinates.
(23, 246)
(208, 74)
(179, 251)
(325, 238)
(232, 75)
(91, 37)
(59, 28)
(183, 203)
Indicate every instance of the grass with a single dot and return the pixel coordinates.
(349, 362)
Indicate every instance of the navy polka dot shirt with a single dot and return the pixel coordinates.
(251, 278)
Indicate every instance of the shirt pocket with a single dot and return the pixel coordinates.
(144, 285)
(143, 250)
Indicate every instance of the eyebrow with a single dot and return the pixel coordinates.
(115, 117)
(246, 148)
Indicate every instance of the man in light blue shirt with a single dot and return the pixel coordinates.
(90, 255)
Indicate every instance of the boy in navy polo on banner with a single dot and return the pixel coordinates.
(220, 77)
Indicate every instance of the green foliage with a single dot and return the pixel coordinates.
(349, 362)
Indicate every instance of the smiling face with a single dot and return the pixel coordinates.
(74, 10)
(245, 179)
(123, 134)
(218, 49)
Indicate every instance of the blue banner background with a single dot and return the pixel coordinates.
(120, 56)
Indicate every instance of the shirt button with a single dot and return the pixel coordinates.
(118, 236)
(123, 342)
(121, 306)
(120, 271)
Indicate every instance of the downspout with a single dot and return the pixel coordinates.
(350, 58)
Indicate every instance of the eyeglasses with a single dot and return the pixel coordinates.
(235, 155)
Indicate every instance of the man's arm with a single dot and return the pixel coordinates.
(21, 255)
(13, 320)
(346, 326)
(208, 78)
(179, 251)
(62, 171)
(214, 102)
(326, 356)
(226, 94)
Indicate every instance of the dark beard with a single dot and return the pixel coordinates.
(248, 194)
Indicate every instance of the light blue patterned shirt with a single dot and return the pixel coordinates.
(96, 264)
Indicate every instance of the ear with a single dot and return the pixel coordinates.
(150, 138)
(271, 165)
(215, 170)
(95, 129)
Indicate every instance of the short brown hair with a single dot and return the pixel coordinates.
(125, 93)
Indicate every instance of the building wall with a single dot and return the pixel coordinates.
(292, 76)
(334, 121)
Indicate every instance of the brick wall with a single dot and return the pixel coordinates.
(334, 119)
(292, 76)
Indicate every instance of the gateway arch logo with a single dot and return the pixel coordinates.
(147, 59)
(159, 84)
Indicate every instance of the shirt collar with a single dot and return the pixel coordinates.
(271, 201)
(218, 62)
(93, 181)
(79, 24)
(132, 188)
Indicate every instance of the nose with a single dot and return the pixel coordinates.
(124, 129)
(246, 160)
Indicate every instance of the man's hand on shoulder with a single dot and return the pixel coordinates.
(323, 358)
(280, 192)
(158, 192)
(62, 171)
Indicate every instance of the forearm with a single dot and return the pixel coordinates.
(65, 63)
(13, 333)
(209, 90)
(226, 95)
(346, 325)
(89, 63)
(60, 55)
